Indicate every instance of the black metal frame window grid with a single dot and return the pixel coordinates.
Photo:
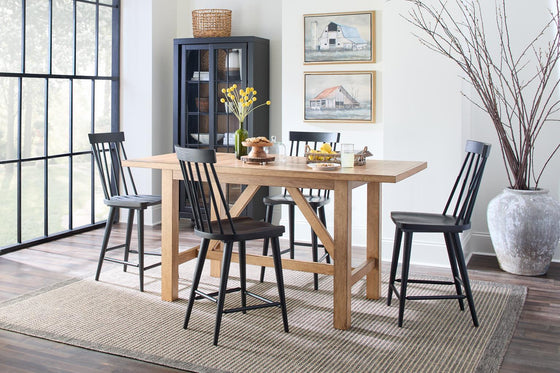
(18, 159)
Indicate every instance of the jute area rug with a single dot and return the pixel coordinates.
(112, 316)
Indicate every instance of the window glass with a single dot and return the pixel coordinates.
(36, 36)
(10, 29)
(63, 37)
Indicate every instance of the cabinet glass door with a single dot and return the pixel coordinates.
(205, 121)
(208, 70)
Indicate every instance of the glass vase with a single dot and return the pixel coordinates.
(240, 135)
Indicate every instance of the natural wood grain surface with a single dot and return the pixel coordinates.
(381, 171)
(535, 346)
(292, 174)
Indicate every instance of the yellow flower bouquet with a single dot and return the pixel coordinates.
(240, 103)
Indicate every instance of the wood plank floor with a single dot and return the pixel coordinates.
(535, 346)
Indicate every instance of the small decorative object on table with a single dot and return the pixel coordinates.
(360, 157)
(257, 154)
(325, 154)
(211, 23)
(240, 103)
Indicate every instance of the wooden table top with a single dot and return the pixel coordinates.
(382, 171)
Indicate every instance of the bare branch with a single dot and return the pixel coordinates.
(519, 101)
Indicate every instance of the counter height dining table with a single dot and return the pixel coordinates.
(292, 174)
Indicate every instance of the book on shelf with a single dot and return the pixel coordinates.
(201, 75)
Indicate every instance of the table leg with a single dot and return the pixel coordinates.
(343, 254)
(169, 236)
(373, 245)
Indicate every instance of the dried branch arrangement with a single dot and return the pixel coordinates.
(519, 92)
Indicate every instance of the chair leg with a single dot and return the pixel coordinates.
(404, 276)
(291, 218)
(280, 280)
(464, 275)
(394, 263)
(268, 219)
(128, 236)
(315, 256)
(223, 287)
(196, 279)
(141, 247)
(324, 221)
(106, 235)
(243, 274)
(453, 264)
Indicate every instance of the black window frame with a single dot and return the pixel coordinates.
(114, 78)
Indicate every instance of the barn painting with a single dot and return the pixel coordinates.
(333, 98)
(340, 96)
(339, 37)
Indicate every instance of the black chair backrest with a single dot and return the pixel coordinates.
(465, 189)
(203, 188)
(108, 152)
(298, 141)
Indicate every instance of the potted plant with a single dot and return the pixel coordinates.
(520, 94)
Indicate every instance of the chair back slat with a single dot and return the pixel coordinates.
(465, 190)
(298, 142)
(108, 152)
(204, 191)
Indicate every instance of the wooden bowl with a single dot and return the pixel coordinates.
(257, 151)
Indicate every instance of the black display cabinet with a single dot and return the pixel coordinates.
(202, 68)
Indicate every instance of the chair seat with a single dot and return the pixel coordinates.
(132, 201)
(314, 201)
(426, 222)
(246, 229)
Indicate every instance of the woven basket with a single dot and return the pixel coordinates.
(210, 23)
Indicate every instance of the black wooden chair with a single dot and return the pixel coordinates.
(317, 198)
(108, 152)
(197, 165)
(450, 223)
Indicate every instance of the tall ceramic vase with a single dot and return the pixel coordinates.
(524, 226)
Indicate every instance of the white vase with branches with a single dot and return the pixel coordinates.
(521, 94)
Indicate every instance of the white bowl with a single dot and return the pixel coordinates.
(204, 138)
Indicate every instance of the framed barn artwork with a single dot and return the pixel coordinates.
(339, 37)
(339, 96)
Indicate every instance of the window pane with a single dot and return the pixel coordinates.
(82, 115)
(8, 118)
(105, 40)
(59, 116)
(81, 178)
(62, 39)
(32, 200)
(8, 204)
(59, 187)
(10, 29)
(102, 106)
(33, 118)
(36, 36)
(85, 39)
(101, 210)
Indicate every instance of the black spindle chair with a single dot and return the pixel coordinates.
(108, 152)
(197, 166)
(317, 198)
(450, 223)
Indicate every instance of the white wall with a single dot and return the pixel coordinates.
(136, 86)
(421, 114)
(146, 81)
(422, 105)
